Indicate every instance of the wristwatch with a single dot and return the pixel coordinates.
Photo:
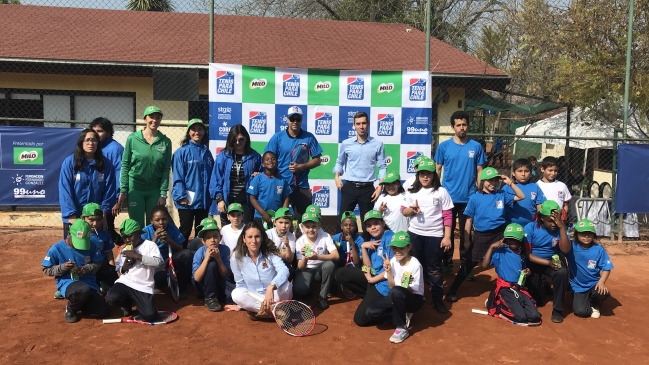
(219, 198)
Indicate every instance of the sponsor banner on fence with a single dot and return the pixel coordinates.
(398, 104)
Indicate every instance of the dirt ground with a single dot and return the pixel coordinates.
(33, 330)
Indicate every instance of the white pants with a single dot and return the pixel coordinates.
(246, 302)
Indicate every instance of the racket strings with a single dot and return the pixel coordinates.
(294, 318)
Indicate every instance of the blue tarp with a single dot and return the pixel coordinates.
(632, 179)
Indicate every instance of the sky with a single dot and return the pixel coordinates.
(185, 6)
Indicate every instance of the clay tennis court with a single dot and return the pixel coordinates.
(34, 332)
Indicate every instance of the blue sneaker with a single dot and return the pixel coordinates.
(58, 295)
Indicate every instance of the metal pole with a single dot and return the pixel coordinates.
(567, 151)
(627, 76)
(211, 31)
(616, 132)
(428, 35)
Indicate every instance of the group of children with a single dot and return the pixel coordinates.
(519, 229)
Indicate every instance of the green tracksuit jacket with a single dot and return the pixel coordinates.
(145, 167)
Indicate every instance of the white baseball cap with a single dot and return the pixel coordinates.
(294, 110)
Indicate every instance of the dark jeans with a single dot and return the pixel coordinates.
(458, 214)
(300, 199)
(583, 303)
(121, 295)
(182, 264)
(353, 279)
(371, 296)
(189, 219)
(559, 283)
(352, 195)
(214, 285)
(106, 273)
(429, 253)
(82, 297)
(394, 307)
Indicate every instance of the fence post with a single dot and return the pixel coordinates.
(211, 31)
(616, 132)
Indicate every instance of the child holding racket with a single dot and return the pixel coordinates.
(73, 263)
(137, 268)
(166, 236)
(391, 201)
(93, 214)
(590, 267)
(268, 191)
(405, 278)
(485, 213)
(211, 267)
(429, 207)
(230, 233)
(510, 300)
(544, 237)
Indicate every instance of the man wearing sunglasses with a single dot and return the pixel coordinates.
(285, 144)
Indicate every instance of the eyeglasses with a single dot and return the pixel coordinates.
(90, 140)
(239, 140)
(295, 119)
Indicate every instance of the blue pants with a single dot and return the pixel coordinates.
(214, 285)
(429, 253)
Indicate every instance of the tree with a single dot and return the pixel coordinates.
(13, 2)
(150, 5)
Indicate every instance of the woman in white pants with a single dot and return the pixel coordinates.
(257, 267)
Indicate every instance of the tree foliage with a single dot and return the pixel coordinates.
(12, 2)
(150, 5)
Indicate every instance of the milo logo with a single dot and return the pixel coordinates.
(258, 83)
(28, 156)
(385, 88)
(322, 86)
(324, 159)
(388, 160)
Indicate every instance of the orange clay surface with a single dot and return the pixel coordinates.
(34, 331)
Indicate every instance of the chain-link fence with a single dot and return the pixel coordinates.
(530, 72)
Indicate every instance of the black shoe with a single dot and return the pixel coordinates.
(440, 307)
(200, 295)
(323, 304)
(182, 294)
(213, 305)
(557, 317)
(451, 297)
(71, 317)
(126, 312)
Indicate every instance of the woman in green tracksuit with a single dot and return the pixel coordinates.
(144, 179)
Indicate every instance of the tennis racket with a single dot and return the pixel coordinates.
(163, 318)
(300, 155)
(348, 294)
(293, 317)
(172, 279)
(500, 316)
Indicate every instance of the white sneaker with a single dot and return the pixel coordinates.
(157, 291)
(408, 318)
(399, 335)
(596, 313)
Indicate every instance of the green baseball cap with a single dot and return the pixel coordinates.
(90, 210)
(314, 209)
(489, 173)
(207, 224)
(313, 217)
(151, 109)
(195, 121)
(80, 234)
(235, 207)
(514, 231)
(128, 226)
(585, 225)
(419, 159)
(400, 239)
(426, 165)
(283, 213)
(390, 178)
(548, 206)
(372, 214)
(347, 214)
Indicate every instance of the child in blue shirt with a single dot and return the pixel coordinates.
(73, 262)
(93, 214)
(510, 300)
(590, 267)
(268, 191)
(486, 215)
(211, 267)
(523, 211)
(349, 275)
(543, 237)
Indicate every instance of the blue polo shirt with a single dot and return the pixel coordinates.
(376, 256)
(523, 211)
(282, 145)
(359, 160)
(270, 191)
(199, 256)
(60, 253)
(585, 265)
(341, 244)
(508, 263)
(488, 210)
(103, 241)
(460, 163)
(172, 231)
(543, 242)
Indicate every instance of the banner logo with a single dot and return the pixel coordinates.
(258, 83)
(225, 82)
(324, 160)
(322, 86)
(410, 157)
(323, 123)
(321, 196)
(385, 88)
(355, 88)
(417, 130)
(291, 86)
(385, 125)
(28, 156)
(388, 160)
(417, 90)
(258, 122)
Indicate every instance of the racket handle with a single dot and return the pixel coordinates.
(478, 311)
(256, 296)
(118, 320)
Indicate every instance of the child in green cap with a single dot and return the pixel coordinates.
(392, 200)
(93, 214)
(73, 262)
(230, 233)
(510, 300)
(282, 236)
(137, 268)
(405, 277)
(590, 267)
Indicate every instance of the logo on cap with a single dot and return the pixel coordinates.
(80, 234)
(402, 237)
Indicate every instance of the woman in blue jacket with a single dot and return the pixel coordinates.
(234, 168)
(192, 167)
(86, 177)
